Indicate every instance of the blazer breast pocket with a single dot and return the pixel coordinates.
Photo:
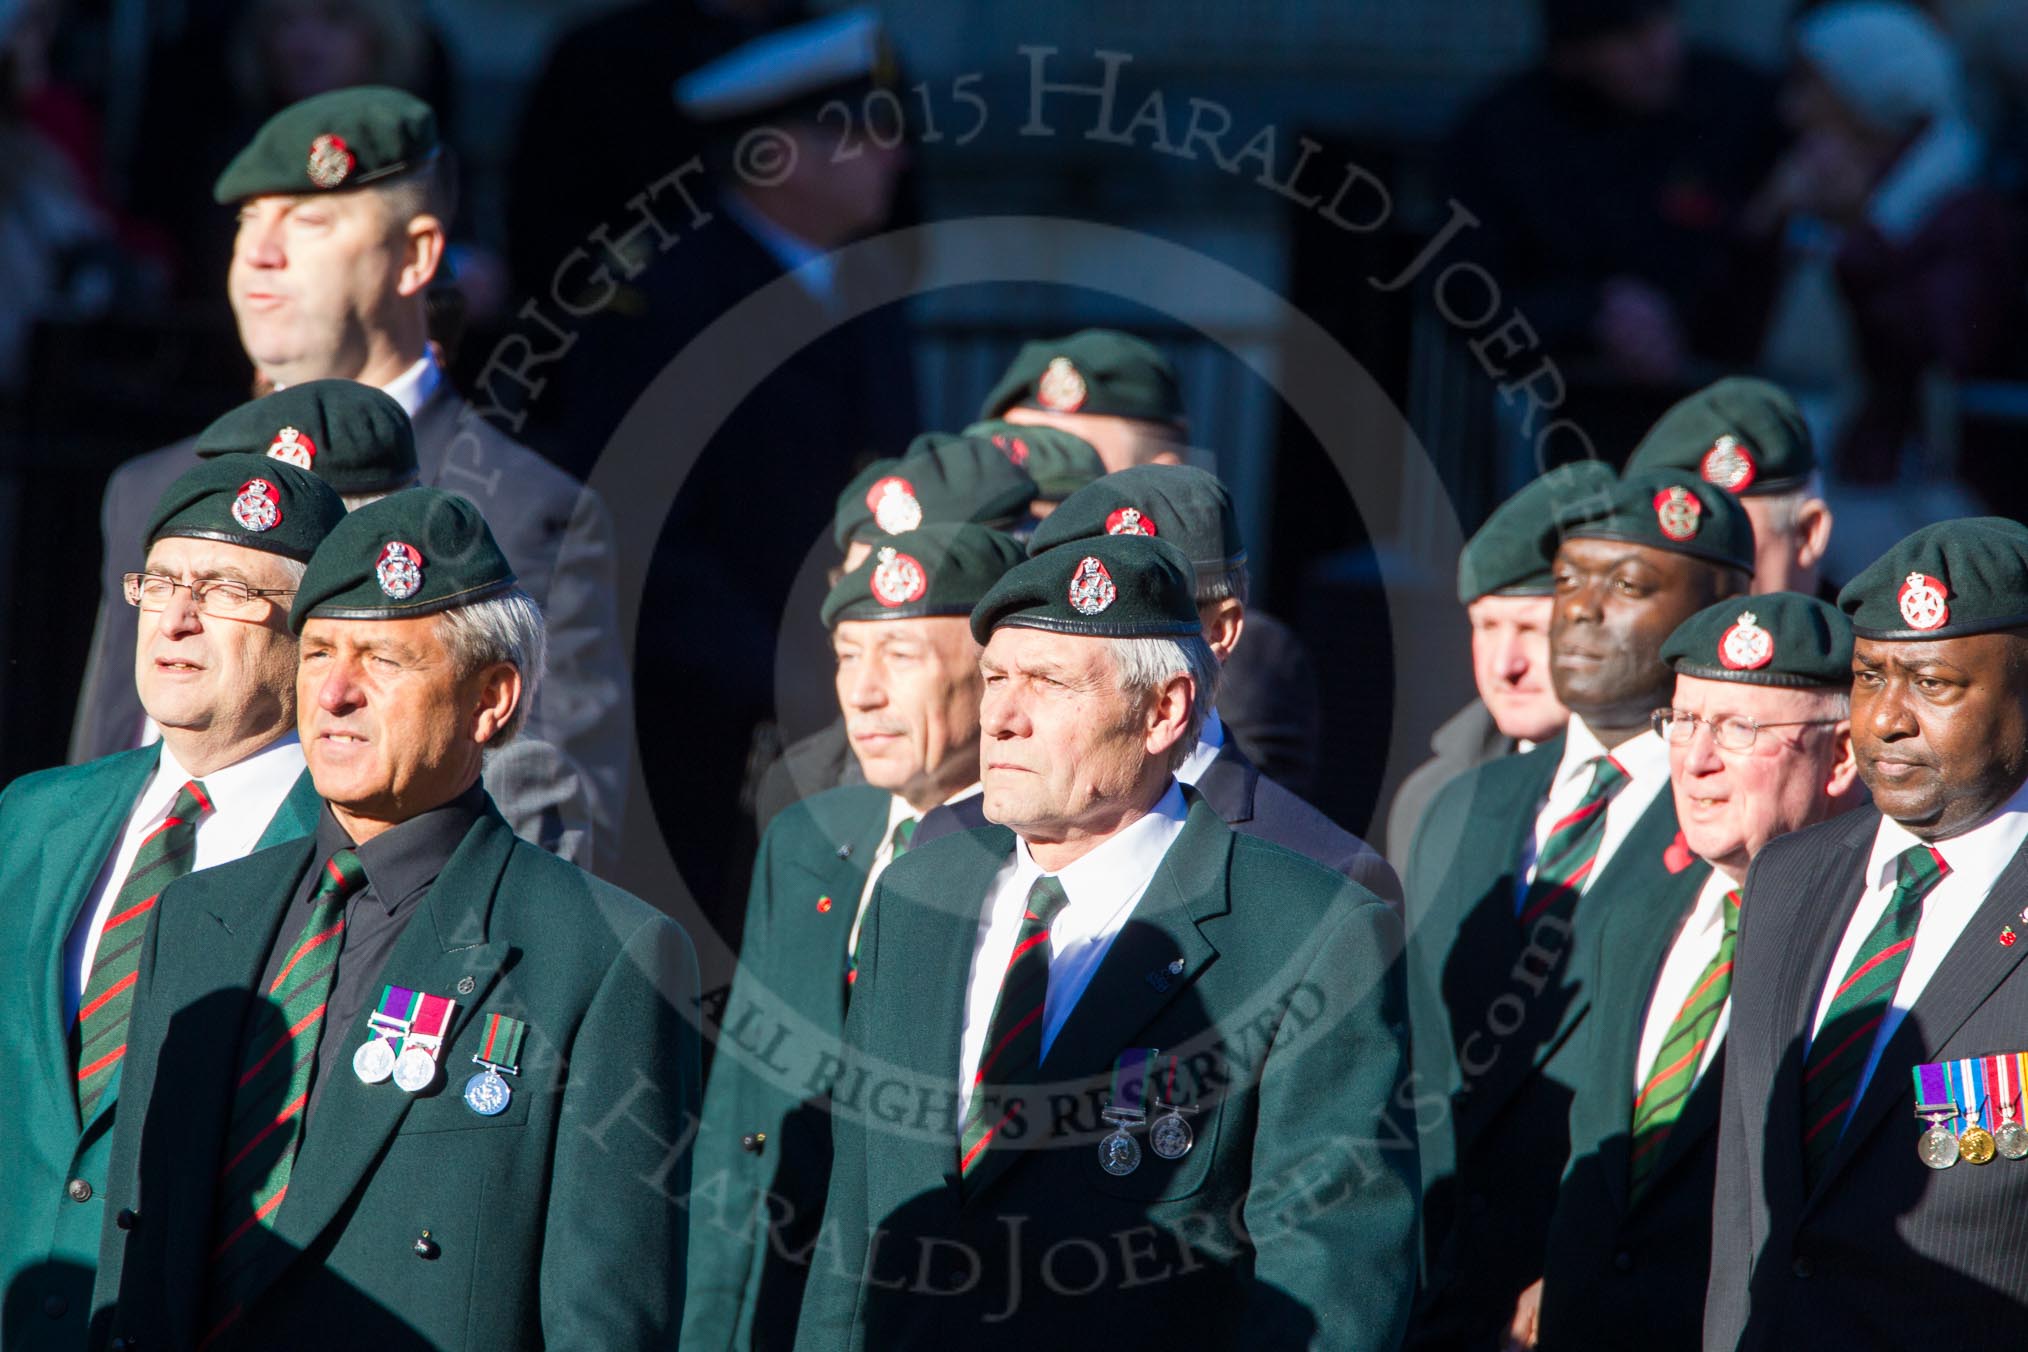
(1158, 1177)
(447, 1109)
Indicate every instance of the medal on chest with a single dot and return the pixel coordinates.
(415, 1070)
(387, 1027)
(500, 1053)
(1119, 1153)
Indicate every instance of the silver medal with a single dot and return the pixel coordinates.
(1119, 1154)
(1171, 1137)
(487, 1094)
(2011, 1140)
(415, 1070)
(1938, 1147)
(374, 1061)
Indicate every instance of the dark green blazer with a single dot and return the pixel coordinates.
(1290, 1223)
(1499, 1020)
(1621, 1274)
(555, 1223)
(57, 830)
(763, 1156)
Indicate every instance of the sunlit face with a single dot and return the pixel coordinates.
(910, 693)
(1121, 443)
(1616, 603)
(229, 679)
(311, 278)
(1731, 803)
(1510, 663)
(1941, 728)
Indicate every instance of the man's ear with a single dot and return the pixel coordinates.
(499, 695)
(1224, 621)
(1169, 713)
(1813, 532)
(423, 254)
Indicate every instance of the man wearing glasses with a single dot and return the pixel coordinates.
(84, 850)
(1760, 744)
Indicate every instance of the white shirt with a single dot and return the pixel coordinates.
(1696, 944)
(1976, 860)
(813, 268)
(898, 811)
(1210, 742)
(413, 387)
(1103, 888)
(1645, 759)
(244, 799)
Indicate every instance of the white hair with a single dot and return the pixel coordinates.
(1784, 509)
(1145, 665)
(504, 629)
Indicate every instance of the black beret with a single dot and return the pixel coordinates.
(1184, 505)
(1663, 509)
(1775, 638)
(1945, 581)
(1096, 371)
(1115, 586)
(1506, 556)
(944, 478)
(1745, 435)
(411, 553)
(945, 569)
(249, 500)
(1060, 462)
(345, 139)
(355, 438)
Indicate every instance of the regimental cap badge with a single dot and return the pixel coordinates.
(399, 570)
(898, 578)
(258, 507)
(1746, 646)
(1091, 587)
(1014, 448)
(1678, 512)
(1130, 521)
(291, 447)
(1062, 386)
(1729, 464)
(1924, 602)
(331, 161)
(894, 506)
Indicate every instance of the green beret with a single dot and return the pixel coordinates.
(1097, 371)
(1112, 586)
(944, 477)
(352, 436)
(1060, 462)
(1662, 509)
(1506, 556)
(1775, 638)
(1945, 581)
(249, 500)
(347, 138)
(943, 569)
(411, 553)
(1745, 435)
(1184, 505)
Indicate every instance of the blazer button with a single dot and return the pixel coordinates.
(1623, 1261)
(126, 1220)
(754, 1142)
(1803, 1267)
(424, 1247)
(78, 1190)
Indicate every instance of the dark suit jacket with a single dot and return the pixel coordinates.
(1289, 1223)
(566, 782)
(763, 1157)
(806, 767)
(57, 830)
(1885, 1252)
(1267, 695)
(1499, 1019)
(1466, 739)
(1622, 1274)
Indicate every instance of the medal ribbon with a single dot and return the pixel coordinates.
(1932, 1092)
(2004, 1081)
(427, 1032)
(1131, 1076)
(395, 1013)
(1978, 1095)
(501, 1047)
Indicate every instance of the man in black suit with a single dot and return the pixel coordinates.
(1878, 956)
(1516, 867)
(328, 275)
(1760, 744)
(1193, 511)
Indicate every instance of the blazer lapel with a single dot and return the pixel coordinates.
(1227, 784)
(297, 816)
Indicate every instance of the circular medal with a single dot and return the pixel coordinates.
(486, 1093)
(1938, 1147)
(415, 1070)
(2011, 1140)
(374, 1061)
(1976, 1145)
(1119, 1154)
(1171, 1137)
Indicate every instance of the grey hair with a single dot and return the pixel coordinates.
(1145, 665)
(504, 629)
(354, 501)
(1214, 587)
(1785, 508)
(292, 569)
(429, 189)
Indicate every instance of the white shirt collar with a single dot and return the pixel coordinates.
(413, 387)
(257, 780)
(813, 268)
(1210, 742)
(1644, 757)
(1113, 876)
(1979, 854)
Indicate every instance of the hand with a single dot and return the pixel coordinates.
(1521, 1334)
(1637, 330)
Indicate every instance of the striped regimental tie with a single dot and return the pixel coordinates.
(278, 1053)
(904, 833)
(1674, 1073)
(1014, 1034)
(1572, 847)
(1842, 1046)
(99, 1038)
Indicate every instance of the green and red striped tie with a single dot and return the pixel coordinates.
(278, 1053)
(1674, 1073)
(1567, 855)
(1014, 1034)
(1839, 1052)
(99, 1038)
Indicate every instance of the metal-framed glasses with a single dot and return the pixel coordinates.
(222, 597)
(1678, 726)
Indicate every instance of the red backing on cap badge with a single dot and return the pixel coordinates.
(258, 507)
(1746, 646)
(1922, 602)
(893, 504)
(1091, 587)
(1678, 512)
(1062, 386)
(1014, 448)
(1729, 464)
(898, 578)
(291, 447)
(1130, 521)
(399, 570)
(331, 161)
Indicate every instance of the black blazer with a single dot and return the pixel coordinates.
(1885, 1252)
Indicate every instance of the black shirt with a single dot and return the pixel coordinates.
(401, 864)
